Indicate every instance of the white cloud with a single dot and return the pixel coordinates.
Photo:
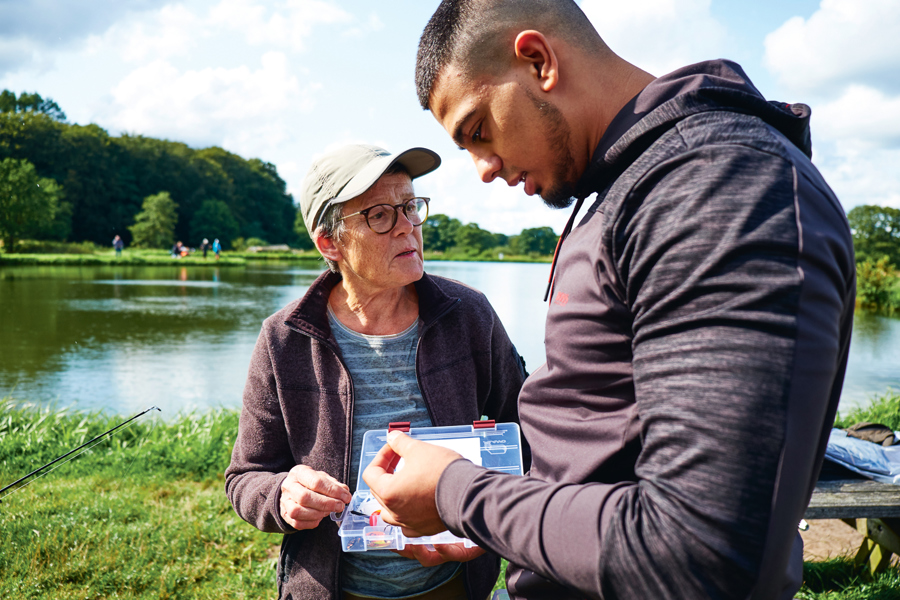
(456, 190)
(371, 25)
(860, 176)
(863, 115)
(658, 35)
(247, 111)
(172, 31)
(844, 41)
(844, 60)
(288, 24)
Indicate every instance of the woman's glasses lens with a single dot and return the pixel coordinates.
(382, 218)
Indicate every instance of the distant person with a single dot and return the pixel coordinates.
(698, 326)
(216, 248)
(118, 244)
(374, 340)
(177, 249)
(204, 247)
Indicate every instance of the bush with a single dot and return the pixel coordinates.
(876, 284)
(50, 247)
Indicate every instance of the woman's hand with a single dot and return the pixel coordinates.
(442, 553)
(308, 496)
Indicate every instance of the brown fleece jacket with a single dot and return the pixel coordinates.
(298, 409)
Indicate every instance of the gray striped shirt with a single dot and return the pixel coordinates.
(383, 371)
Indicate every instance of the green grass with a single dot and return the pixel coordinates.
(144, 514)
(883, 409)
(161, 257)
(129, 257)
(840, 579)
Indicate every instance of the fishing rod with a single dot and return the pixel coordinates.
(69, 453)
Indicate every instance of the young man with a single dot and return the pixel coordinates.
(698, 327)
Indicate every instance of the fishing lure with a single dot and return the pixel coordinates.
(70, 453)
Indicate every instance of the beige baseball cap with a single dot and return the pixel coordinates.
(349, 171)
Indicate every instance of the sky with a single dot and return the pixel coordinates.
(286, 80)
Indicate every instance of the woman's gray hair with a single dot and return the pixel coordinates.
(331, 227)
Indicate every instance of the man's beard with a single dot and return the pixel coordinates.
(557, 130)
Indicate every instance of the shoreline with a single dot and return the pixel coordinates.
(227, 260)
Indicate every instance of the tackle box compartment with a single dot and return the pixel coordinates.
(495, 446)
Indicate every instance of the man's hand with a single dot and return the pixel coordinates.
(408, 496)
(442, 553)
(308, 496)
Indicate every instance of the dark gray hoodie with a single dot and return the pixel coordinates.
(696, 343)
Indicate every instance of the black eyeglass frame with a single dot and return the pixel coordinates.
(395, 208)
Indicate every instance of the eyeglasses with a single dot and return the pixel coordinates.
(381, 218)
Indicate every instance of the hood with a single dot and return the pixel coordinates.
(702, 87)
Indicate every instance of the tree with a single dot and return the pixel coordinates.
(473, 239)
(304, 242)
(28, 203)
(30, 102)
(439, 233)
(539, 240)
(154, 226)
(214, 220)
(876, 233)
(106, 177)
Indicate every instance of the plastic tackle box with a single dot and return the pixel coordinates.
(492, 445)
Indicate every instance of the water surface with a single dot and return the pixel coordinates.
(122, 338)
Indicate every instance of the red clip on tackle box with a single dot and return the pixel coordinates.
(492, 445)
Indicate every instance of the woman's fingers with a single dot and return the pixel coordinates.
(320, 482)
(308, 496)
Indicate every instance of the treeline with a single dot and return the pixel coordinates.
(441, 233)
(876, 241)
(103, 180)
(67, 182)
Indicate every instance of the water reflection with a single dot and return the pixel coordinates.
(874, 363)
(122, 338)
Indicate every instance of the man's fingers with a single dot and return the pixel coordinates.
(387, 458)
(401, 443)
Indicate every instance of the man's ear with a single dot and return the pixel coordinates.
(327, 248)
(533, 48)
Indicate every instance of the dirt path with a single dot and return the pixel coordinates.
(831, 538)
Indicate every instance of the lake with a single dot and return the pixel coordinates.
(122, 338)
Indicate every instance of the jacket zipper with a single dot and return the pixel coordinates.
(349, 444)
(337, 355)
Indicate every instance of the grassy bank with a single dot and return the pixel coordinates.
(86, 253)
(130, 259)
(144, 514)
(882, 408)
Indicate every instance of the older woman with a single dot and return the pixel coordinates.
(374, 340)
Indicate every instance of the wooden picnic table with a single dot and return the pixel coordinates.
(870, 507)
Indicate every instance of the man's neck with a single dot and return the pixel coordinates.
(604, 95)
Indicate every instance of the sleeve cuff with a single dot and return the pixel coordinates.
(451, 492)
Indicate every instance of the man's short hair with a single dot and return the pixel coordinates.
(478, 35)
